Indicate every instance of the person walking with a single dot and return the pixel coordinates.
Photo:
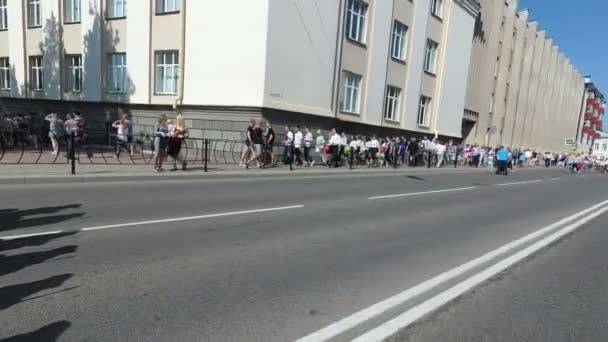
(161, 132)
(288, 146)
(413, 152)
(334, 142)
(269, 138)
(298, 139)
(258, 143)
(319, 148)
(56, 130)
(178, 132)
(440, 152)
(248, 151)
(502, 157)
(308, 138)
(122, 126)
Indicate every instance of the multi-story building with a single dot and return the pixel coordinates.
(591, 122)
(366, 65)
(526, 92)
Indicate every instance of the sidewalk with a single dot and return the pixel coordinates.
(60, 173)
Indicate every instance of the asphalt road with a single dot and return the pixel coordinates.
(260, 259)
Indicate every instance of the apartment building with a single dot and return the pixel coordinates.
(373, 66)
(524, 91)
(591, 123)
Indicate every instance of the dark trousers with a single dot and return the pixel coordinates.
(501, 167)
(307, 158)
(288, 154)
(429, 155)
(547, 162)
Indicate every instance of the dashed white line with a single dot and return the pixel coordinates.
(423, 193)
(412, 315)
(142, 223)
(555, 179)
(354, 320)
(518, 183)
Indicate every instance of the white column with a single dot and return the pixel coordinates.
(91, 17)
(16, 48)
(138, 49)
(51, 49)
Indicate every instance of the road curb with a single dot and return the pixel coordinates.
(219, 175)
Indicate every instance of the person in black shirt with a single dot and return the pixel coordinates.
(248, 151)
(268, 142)
(258, 142)
(413, 150)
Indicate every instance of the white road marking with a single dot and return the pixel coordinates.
(518, 183)
(141, 223)
(377, 309)
(400, 322)
(422, 193)
(555, 179)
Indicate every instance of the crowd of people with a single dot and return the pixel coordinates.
(303, 148)
(300, 146)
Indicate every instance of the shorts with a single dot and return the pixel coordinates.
(258, 149)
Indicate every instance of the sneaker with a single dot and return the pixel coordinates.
(312, 164)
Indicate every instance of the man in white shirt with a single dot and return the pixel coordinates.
(288, 145)
(334, 141)
(429, 147)
(297, 144)
(307, 145)
(440, 152)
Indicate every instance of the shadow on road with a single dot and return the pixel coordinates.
(415, 178)
(14, 218)
(7, 245)
(49, 333)
(15, 294)
(14, 263)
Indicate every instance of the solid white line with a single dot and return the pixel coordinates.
(555, 179)
(141, 223)
(377, 309)
(422, 193)
(400, 322)
(14, 237)
(517, 183)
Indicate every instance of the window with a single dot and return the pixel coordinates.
(436, 7)
(33, 13)
(355, 20)
(605, 147)
(399, 41)
(167, 6)
(117, 73)
(596, 147)
(349, 101)
(167, 72)
(392, 104)
(72, 11)
(430, 57)
(3, 15)
(117, 8)
(5, 74)
(73, 73)
(36, 73)
(424, 107)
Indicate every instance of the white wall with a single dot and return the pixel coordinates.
(91, 13)
(301, 55)
(226, 52)
(452, 90)
(138, 50)
(417, 41)
(16, 48)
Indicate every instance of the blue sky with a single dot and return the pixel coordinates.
(580, 28)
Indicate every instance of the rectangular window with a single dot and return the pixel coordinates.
(437, 7)
(392, 104)
(36, 73)
(355, 20)
(33, 13)
(430, 56)
(167, 6)
(399, 41)
(117, 73)
(73, 77)
(117, 8)
(3, 15)
(72, 11)
(5, 74)
(424, 108)
(605, 147)
(349, 100)
(596, 147)
(167, 72)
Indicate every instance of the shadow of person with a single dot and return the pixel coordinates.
(14, 263)
(14, 294)
(6, 245)
(14, 218)
(48, 333)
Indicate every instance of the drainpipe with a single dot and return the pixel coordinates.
(179, 101)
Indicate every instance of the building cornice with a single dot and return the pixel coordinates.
(471, 6)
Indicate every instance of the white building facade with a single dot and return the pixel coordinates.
(367, 65)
